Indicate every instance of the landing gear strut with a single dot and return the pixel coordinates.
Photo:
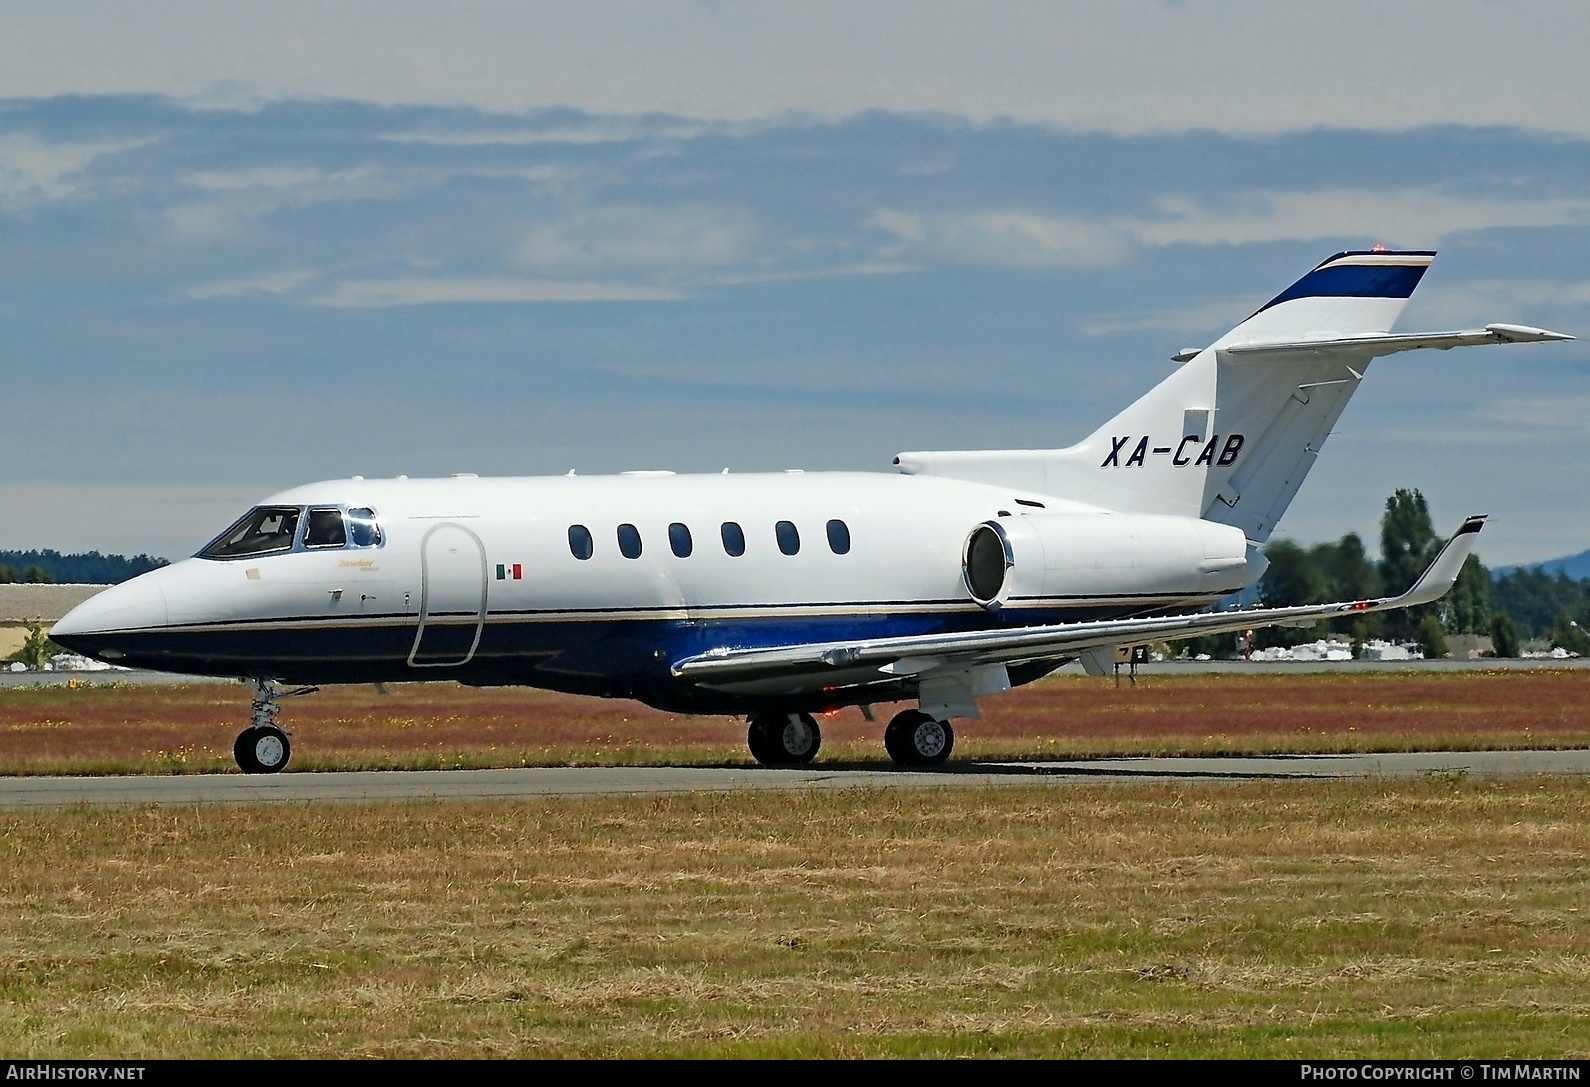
(263, 747)
(784, 739)
(915, 738)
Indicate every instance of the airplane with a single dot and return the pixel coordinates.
(779, 596)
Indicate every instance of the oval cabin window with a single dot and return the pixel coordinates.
(629, 541)
(581, 545)
(733, 539)
(679, 540)
(789, 539)
(839, 537)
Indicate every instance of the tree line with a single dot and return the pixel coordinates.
(1521, 605)
(85, 568)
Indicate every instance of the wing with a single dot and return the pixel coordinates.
(908, 656)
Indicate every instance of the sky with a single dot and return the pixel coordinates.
(247, 246)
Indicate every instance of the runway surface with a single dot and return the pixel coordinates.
(533, 783)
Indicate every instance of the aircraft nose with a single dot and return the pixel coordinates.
(138, 604)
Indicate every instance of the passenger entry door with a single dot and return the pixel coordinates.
(452, 597)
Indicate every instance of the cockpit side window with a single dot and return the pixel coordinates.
(260, 531)
(363, 528)
(325, 529)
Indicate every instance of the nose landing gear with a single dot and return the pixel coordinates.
(263, 747)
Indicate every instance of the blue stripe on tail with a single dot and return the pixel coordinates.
(1339, 277)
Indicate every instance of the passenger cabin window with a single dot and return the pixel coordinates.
(261, 531)
(839, 537)
(363, 529)
(325, 529)
(581, 545)
(629, 541)
(733, 539)
(789, 540)
(679, 540)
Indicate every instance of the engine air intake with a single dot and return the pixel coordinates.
(986, 561)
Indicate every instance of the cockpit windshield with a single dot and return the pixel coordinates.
(325, 529)
(261, 531)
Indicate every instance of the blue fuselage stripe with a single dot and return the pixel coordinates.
(625, 657)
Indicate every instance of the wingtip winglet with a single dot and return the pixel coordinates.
(1442, 574)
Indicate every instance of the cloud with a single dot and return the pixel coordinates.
(1526, 416)
(1407, 217)
(371, 293)
(237, 199)
(279, 283)
(1133, 66)
(268, 177)
(34, 171)
(1476, 302)
(594, 130)
(1206, 317)
(646, 240)
(1001, 239)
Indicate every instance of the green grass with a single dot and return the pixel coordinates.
(1438, 918)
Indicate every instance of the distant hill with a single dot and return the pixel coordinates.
(89, 568)
(1576, 567)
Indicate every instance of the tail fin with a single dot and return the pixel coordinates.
(1231, 435)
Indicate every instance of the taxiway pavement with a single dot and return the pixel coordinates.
(530, 783)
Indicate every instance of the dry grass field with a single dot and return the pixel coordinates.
(190, 729)
(1426, 919)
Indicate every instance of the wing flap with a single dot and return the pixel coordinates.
(897, 657)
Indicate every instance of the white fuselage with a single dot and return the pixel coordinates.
(480, 579)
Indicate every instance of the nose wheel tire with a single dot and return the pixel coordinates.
(262, 750)
(915, 739)
(784, 739)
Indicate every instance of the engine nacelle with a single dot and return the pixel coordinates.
(1106, 555)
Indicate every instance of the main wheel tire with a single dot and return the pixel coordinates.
(262, 750)
(914, 738)
(757, 738)
(243, 752)
(784, 739)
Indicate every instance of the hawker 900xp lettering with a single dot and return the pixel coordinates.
(1180, 454)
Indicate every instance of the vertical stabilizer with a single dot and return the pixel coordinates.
(1231, 435)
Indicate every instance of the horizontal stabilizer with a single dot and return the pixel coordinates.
(896, 657)
(1374, 344)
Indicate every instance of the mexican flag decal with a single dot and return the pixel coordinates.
(507, 571)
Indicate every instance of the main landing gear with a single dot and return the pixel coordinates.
(915, 738)
(784, 739)
(263, 747)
